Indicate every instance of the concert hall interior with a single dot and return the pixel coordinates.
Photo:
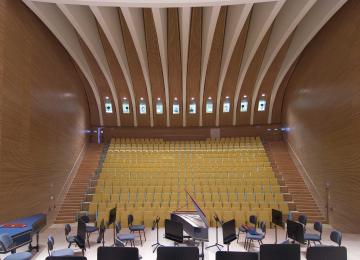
(177, 129)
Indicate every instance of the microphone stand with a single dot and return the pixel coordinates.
(217, 221)
(157, 244)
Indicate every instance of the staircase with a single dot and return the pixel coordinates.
(282, 164)
(76, 193)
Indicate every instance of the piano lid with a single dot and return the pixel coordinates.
(198, 209)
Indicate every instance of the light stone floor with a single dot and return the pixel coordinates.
(350, 241)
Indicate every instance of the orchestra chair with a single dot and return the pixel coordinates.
(255, 236)
(311, 237)
(326, 253)
(136, 228)
(89, 229)
(303, 219)
(59, 252)
(6, 245)
(336, 236)
(223, 255)
(280, 252)
(69, 238)
(252, 220)
(125, 238)
(117, 253)
(178, 253)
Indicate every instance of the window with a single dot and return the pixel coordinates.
(192, 107)
(226, 105)
(108, 105)
(125, 107)
(244, 105)
(176, 107)
(159, 108)
(142, 108)
(262, 105)
(209, 106)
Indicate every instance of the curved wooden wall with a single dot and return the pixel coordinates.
(321, 108)
(43, 110)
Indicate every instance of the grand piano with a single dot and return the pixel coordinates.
(194, 223)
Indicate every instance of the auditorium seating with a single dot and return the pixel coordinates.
(148, 178)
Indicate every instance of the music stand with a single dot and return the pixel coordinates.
(217, 220)
(229, 232)
(157, 244)
(112, 219)
(277, 220)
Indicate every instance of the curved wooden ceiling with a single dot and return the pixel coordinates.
(173, 52)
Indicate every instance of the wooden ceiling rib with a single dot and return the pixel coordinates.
(188, 53)
(232, 75)
(243, 118)
(213, 69)
(104, 89)
(194, 66)
(155, 68)
(118, 78)
(136, 73)
(260, 117)
(174, 65)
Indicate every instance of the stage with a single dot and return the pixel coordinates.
(351, 241)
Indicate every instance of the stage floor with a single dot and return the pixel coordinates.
(350, 241)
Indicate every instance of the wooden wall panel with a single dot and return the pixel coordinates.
(243, 118)
(43, 111)
(136, 73)
(101, 83)
(213, 68)
(118, 78)
(194, 66)
(232, 76)
(321, 108)
(155, 68)
(93, 108)
(174, 65)
(192, 133)
(268, 83)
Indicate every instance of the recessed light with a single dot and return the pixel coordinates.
(192, 98)
(141, 98)
(245, 96)
(263, 95)
(106, 97)
(209, 98)
(175, 98)
(227, 97)
(125, 98)
(158, 99)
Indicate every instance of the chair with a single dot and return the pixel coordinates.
(136, 228)
(7, 245)
(310, 237)
(336, 236)
(221, 255)
(252, 220)
(255, 236)
(303, 219)
(59, 252)
(117, 253)
(89, 229)
(123, 237)
(178, 253)
(69, 238)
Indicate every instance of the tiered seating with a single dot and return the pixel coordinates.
(148, 178)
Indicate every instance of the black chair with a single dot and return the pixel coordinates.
(177, 253)
(89, 229)
(136, 228)
(326, 253)
(66, 258)
(303, 219)
(117, 253)
(280, 252)
(310, 237)
(221, 255)
(81, 235)
(69, 238)
(336, 236)
(252, 220)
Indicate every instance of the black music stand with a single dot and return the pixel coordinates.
(157, 244)
(277, 220)
(217, 221)
(229, 232)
